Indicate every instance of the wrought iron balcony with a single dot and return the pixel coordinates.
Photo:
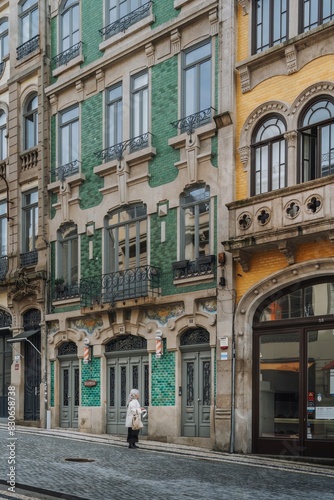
(123, 23)
(203, 265)
(29, 258)
(191, 122)
(3, 267)
(65, 291)
(67, 55)
(133, 283)
(27, 47)
(68, 169)
(116, 151)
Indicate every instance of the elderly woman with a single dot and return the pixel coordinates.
(133, 406)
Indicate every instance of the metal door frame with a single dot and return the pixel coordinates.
(71, 364)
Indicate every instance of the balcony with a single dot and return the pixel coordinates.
(28, 258)
(143, 281)
(29, 159)
(191, 122)
(281, 219)
(67, 55)
(27, 48)
(123, 23)
(203, 266)
(68, 169)
(116, 152)
(3, 267)
(65, 291)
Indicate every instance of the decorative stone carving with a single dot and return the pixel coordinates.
(54, 103)
(23, 287)
(291, 138)
(263, 216)
(100, 80)
(244, 5)
(313, 204)
(150, 53)
(80, 89)
(292, 209)
(243, 258)
(244, 154)
(245, 79)
(192, 152)
(175, 37)
(245, 220)
(288, 250)
(213, 18)
(291, 59)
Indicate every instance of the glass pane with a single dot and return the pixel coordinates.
(279, 385)
(320, 388)
(198, 54)
(189, 233)
(190, 90)
(205, 86)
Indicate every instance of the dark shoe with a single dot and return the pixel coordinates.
(130, 445)
(135, 446)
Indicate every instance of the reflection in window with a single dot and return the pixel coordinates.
(4, 48)
(70, 25)
(270, 23)
(195, 222)
(29, 220)
(31, 123)
(126, 242)
(3, 135)
(114, 115)
(29, 20)
(269, 152)
(69, 136)
(317, 141)
(315, 300)
(196, 90)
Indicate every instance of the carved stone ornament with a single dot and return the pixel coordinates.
(23, 287)
(245, 6)
(244, 260)
(288, 250)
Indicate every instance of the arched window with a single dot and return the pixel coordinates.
(3, 135)
(68, 254)
(126, 238)
(31, 122)
(4, 49)
(70, 25)
(269, 156)
(317, 140)
(195, 222)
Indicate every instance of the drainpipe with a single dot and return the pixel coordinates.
(232, 436)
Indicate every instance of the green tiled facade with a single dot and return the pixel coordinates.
(163, 379)
(91, 396)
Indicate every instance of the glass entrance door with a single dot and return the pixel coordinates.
(320, 386)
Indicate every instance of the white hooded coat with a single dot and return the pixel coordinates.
(133, 406)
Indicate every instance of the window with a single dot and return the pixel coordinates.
(29, 20)
(316, 12)
(31, 123)
(129, 11)
(3, 228)
(196, 83)
(126, 241)
(3, 135)
(69, 139)
(270, 21)
(70, 25)
(4, 49)
(195, 222)
(317, 140)
(68, 254)
(139, 109)
(29, 220)
(114, 115)
(269, 156)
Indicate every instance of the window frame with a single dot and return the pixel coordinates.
(196, 206)
(28, 12)
(34, 114)
(271, 21)
(66, 248)
(3, 228)
(197, 64)
(114, 116)
(259, 145)
(139, 113)
(3, 136)
(4, 40)
(72, 33)
(320, 16)
(32, 209)
(315, 147)
(71, 140)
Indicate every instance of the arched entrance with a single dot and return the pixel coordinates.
(5, 361)
(293, 374)
(127, 368)
(196, 383)
(69, 384)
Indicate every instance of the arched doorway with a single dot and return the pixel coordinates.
(5, 361)
(127, 368)
(196, 383)
(293, 378)
(69, 384)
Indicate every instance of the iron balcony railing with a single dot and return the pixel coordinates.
(67, 55)
(27, 47)
(66, 291)
(68, 169)
(191, 122)
(143, 281)
(116, 151)
(203, 265)
(123, 23)
(29, 258)
(3, 267)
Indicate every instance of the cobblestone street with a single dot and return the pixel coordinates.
(104, 468)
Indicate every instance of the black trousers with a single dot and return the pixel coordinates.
(132, 436)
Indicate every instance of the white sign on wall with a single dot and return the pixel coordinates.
(324, 412)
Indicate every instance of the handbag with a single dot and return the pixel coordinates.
(136, 422)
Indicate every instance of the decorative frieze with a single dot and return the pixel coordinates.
(291, 59)
(175, 37)
(245, 79)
